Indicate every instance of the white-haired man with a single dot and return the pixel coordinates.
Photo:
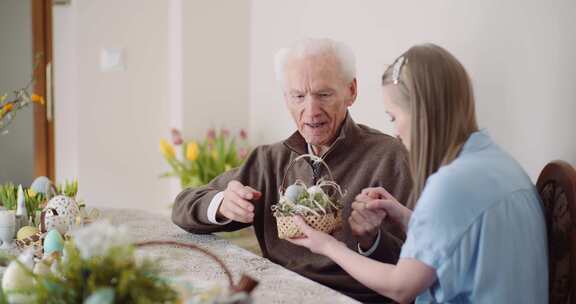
(319, 83)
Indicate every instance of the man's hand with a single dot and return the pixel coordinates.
(236, 203)
(380, 199)
(365, 223)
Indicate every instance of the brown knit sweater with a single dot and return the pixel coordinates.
(360, 157)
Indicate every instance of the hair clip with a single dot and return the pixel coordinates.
(396, 71)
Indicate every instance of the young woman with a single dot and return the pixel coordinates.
(477, 232)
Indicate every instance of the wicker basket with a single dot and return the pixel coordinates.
(327, 223)
(287, 228)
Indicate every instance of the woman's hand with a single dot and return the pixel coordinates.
(317, 241)
(378, 198)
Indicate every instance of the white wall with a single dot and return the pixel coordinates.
(520, 54)
(186, 67)
(108, 123)
(215, 65)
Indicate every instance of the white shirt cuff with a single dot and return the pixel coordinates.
(213, 209)
(372, 249)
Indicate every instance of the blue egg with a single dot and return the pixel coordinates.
(53, 242)
(293, 191)
(41, 185)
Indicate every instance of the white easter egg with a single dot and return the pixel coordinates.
(314, 190)
(16, 277)
(293, 191)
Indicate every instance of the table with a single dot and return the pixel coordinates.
(277, 284)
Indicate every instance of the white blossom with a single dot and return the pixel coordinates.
(97, 238)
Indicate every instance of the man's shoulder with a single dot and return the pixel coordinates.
(376, 139)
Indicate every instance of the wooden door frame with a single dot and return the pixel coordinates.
(43, 117)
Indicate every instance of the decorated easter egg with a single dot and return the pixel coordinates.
(293, 191)
(53, 242)
(26, 232)
(60, 213)
(41, 185)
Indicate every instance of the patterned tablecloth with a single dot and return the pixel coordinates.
(277, 284)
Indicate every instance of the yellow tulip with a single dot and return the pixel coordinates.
(31, 193)
(37, 99)
(192, 151)
(7, 107)
(167, 149)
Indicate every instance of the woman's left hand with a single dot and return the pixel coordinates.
(317, 241)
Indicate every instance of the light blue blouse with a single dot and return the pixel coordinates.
(479, 223)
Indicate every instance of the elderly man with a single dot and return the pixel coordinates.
(319, 83)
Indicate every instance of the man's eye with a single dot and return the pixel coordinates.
(391, 118)
(325, 95)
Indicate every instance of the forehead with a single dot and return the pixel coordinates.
(313, 72)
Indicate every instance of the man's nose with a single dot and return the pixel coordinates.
(312, 106)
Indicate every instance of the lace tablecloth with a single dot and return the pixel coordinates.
(277, 284)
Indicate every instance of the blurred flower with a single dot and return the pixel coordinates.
(243, 134)
(203, 160)
(96, 239)
(192, 151)
(37, 99)
(31, 192)
(7, 107)
(242, 153)
(211, 135)
(225, 133)
(176, 137)
(167, 149)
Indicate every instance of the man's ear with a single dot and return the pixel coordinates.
(353, 90)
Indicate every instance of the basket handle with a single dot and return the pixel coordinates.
(312, 157)
(246, 284)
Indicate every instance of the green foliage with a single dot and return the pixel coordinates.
(69, 188)
(9, 196)
(76, 279)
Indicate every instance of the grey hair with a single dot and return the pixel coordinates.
(312, 47)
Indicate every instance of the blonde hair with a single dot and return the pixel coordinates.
(438, 96)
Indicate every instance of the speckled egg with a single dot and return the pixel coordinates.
(53, 242)
(293, 191)
(62, 213)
